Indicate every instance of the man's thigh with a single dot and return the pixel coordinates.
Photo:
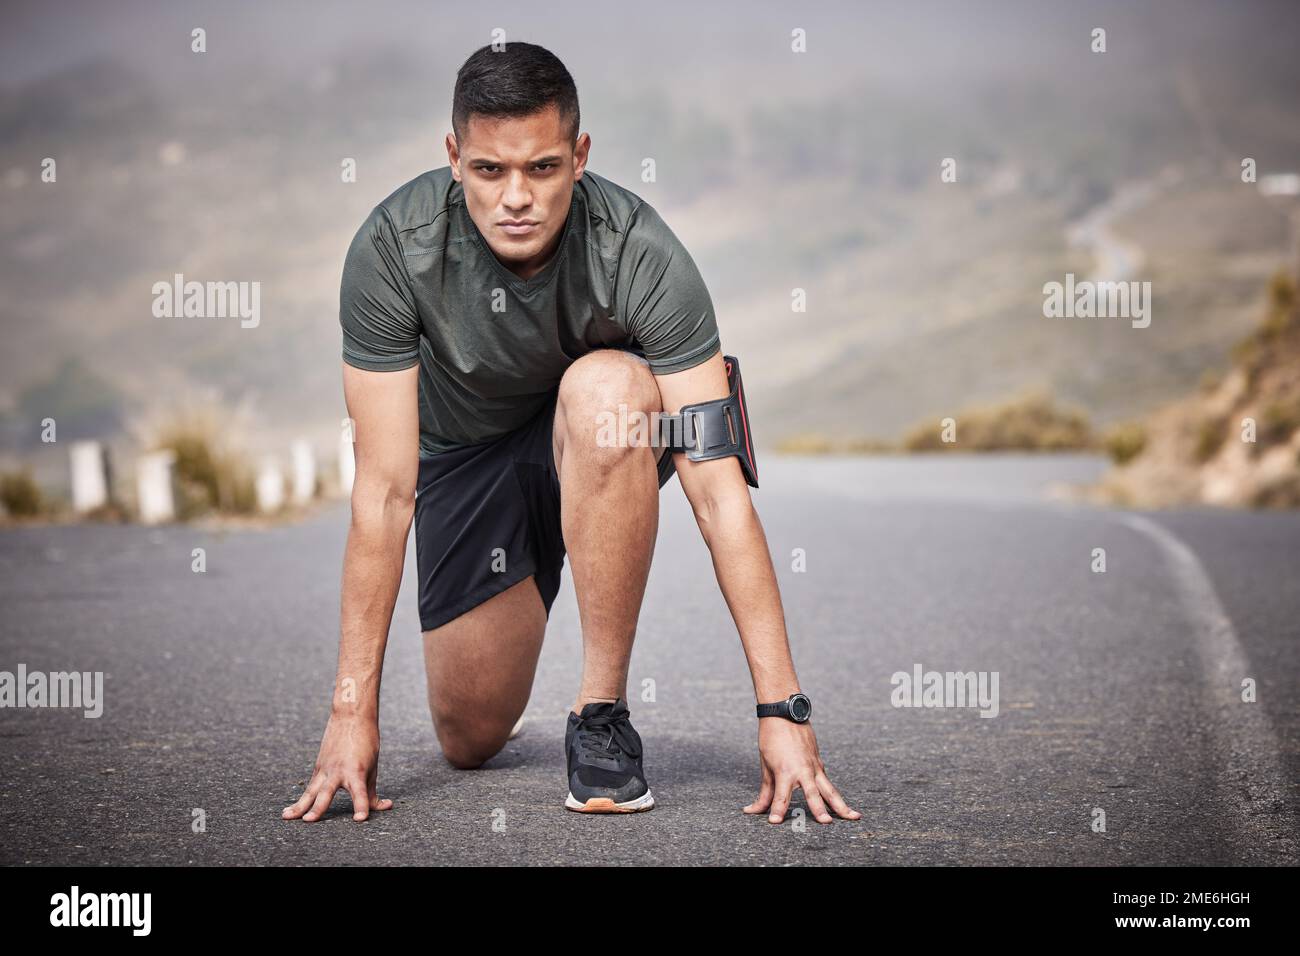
(480, 667)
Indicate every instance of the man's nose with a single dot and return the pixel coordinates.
(518, 195)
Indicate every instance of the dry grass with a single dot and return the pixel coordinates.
(1031, 422)
(1125, 442)
(1281, 493)
(214, 474)
(21, 496)
(814, 443)
(1210, 435)
(1187, 456)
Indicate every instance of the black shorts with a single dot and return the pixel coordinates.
(487, 516)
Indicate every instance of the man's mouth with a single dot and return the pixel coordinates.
(518, 227)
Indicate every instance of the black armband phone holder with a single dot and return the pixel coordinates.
(716, 429)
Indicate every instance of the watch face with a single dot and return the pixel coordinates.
(800, 707)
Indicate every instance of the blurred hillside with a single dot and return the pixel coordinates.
(1237, 441)
(819, 174)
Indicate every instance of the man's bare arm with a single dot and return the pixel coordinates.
(742, 563)
(725, 514)
(385, 421)
(384, 407)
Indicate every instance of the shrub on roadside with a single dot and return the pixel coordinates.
(20, 494)
(1282, 492)
(1125, 442)
(1030, 423)
(211, 474)
(1210, 435)
(1277, 423)
(810, 443)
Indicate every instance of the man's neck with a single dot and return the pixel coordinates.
(526, 270)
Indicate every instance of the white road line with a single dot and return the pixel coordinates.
(1251, 778)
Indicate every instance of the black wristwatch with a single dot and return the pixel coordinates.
(796, 707)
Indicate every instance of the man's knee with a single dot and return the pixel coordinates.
(606, 378)
(467, 745)
(602, 389)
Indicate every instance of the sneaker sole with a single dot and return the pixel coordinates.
(606, 805)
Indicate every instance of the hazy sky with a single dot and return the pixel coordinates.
(914, 42)
(759, 151)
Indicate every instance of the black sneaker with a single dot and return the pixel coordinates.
(604, 756)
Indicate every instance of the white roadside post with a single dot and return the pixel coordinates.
(347, 459)
(155, 486)
(270, 487)
(89, 476)
(304, 472)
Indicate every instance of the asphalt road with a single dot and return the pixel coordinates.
(1117, 691)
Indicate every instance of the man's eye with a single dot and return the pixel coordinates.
(541, 167)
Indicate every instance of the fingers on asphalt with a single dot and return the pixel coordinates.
(816, 793)
(828, 791)
(784, 789)
(376, 803)
(319, 796)
(815, 803)
(360, 799)
(764, 799)
(364, 799)
(299, 806)
(324, 797)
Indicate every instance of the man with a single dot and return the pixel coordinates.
(493, 311)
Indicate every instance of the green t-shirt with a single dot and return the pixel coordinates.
(420, 283)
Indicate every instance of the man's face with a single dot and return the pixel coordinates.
(518, 176)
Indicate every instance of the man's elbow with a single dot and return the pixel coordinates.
(723, 509)
(381, 501)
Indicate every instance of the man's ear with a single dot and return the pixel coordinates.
(581, 149)
(453, 156)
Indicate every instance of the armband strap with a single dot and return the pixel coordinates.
(716, 429)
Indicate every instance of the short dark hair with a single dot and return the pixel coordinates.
(520, 80)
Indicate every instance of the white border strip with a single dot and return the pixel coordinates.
(1250, 776)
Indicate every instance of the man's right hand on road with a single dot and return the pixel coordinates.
(348, 759)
